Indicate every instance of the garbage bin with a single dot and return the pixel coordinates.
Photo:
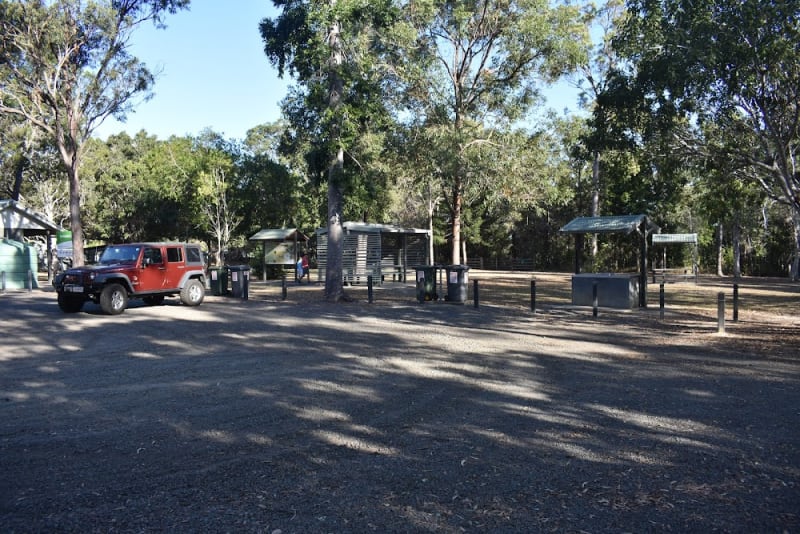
(218, 278)
(457, 283)
(426, 282)
(240, 279)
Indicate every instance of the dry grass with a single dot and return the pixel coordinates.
(758, 298)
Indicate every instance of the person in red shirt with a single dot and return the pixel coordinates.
(303, 269)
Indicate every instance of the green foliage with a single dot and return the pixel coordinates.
(732, 67)
(334, 50)
(268, 195)
(468, 70)
(65, 66)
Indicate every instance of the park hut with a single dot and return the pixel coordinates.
(616, 290)
(383, 251)
(18, 259)
(281, 247)
(676, 240)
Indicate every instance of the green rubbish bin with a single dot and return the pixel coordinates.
(457, 283)
(426, 283)
(218, 279)
(240, 278)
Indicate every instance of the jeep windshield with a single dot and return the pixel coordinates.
(120, 254)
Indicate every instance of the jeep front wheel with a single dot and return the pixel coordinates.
(192, 293)
(113, 299)
(70, 303)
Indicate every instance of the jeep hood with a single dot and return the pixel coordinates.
(99, 268)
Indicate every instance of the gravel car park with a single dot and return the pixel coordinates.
(272, 415)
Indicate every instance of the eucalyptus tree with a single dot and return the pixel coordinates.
(331, 48)
(15, 145)
(470, 68)
(730, 197)
(561, 184)
(733, 64)
(418, 183)
(28, 166)
(269, 192)
(142, 188)
(592, 80)
(65, 67)
(115, 188)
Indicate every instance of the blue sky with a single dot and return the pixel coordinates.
(214, 74)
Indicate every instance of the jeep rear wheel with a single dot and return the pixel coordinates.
(193, 293)
(70, 303)
(113, 299)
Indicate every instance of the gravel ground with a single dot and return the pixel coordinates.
(300, 416)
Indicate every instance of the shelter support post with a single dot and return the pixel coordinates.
(578, 253)
(643, 272)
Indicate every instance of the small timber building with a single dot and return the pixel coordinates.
(383, 251)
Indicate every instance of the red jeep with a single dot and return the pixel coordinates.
(150, 271)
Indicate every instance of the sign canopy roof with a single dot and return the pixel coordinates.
(613, 224)
(279, 234)
(674, 238)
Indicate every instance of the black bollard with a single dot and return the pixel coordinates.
(735, 302)
(594, 299)
(246, 285)
(369, 289)
(475, 297)
(3, 281)
(661, 299)
(283, 287)
(30, 280)
(720, 313)
(533, 296)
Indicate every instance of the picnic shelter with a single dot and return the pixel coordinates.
(613, 224)
(377, 250)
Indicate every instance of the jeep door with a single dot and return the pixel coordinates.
(176, 266)
(153, 272)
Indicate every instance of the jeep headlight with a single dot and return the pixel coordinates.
(92, 276)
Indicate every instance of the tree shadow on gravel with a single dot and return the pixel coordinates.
(260, 416)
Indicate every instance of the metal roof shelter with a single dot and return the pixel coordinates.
(280, 246)
(16, 222)
(614, 224)
(376, 250)
(677, 239)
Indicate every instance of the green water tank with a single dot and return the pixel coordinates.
(17, 260)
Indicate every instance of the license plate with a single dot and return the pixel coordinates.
(73, 289)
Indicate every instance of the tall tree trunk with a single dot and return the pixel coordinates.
(736, 237)
(457, 201)
(595, 197)
(19, 172)
(68, 142)
(795, 268)
(431, 208)
(334, 285)
(75, 216)
(720, 258)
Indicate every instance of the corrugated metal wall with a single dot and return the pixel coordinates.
(372, 253)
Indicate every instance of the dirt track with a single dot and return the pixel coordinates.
(300, 416)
